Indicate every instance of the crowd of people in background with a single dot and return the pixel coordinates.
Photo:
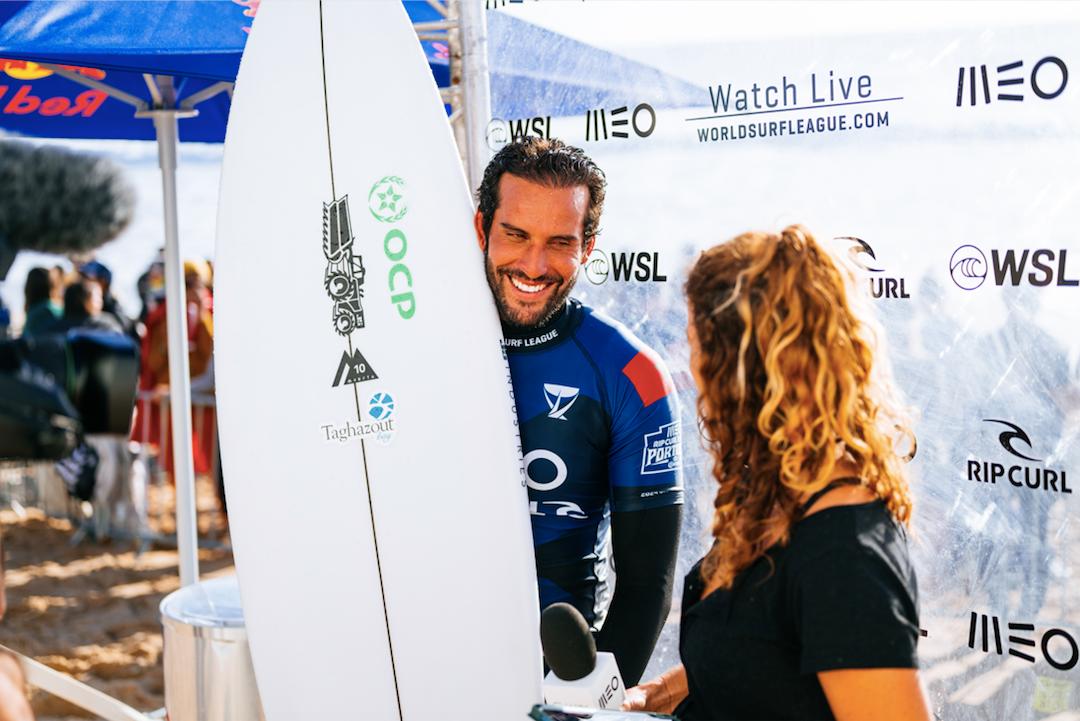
(58, 300)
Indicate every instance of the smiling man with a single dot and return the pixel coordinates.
(598, 419)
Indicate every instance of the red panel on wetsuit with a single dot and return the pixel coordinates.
(647, 379)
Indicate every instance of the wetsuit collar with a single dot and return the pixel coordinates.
(556, 330)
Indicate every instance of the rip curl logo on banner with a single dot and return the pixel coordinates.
(1047, 80)
(662, 449)
(1039, 267)
(1032, 476)
(1014, 433)
(881, 286)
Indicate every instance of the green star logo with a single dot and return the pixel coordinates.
(386, 201)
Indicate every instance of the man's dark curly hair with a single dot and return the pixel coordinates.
(547, 162)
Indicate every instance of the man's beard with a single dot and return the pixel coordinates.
(515, 318)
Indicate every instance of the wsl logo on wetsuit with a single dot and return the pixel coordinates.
(1041, 267)
(643, 267)
(882, 284)
(1031, 473)
(661, 453)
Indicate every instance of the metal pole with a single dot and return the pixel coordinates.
(180, 405)
(476, 88)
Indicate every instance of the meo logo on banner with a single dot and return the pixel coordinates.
(662, 450)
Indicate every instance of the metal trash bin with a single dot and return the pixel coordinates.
(208, 671)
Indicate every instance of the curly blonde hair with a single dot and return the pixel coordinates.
(788, 389)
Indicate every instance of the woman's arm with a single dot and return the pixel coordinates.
(883, 694)
(661, 695)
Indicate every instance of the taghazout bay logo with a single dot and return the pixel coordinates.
(1038, 267)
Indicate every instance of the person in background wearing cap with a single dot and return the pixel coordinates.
(98, 273)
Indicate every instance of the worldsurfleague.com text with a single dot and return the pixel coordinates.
(802, 126)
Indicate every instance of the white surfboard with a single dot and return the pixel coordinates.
(372, 465)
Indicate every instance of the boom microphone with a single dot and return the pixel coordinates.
(58, 201)
(580, 676)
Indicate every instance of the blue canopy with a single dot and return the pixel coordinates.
(533, 71)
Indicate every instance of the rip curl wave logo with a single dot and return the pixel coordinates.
(968, 267)
(387, 201)
(858, 253)
(1016, 433)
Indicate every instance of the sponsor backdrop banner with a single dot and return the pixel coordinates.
(944, 165)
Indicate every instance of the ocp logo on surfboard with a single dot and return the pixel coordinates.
(388, 204)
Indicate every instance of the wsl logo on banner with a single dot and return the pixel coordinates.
(501, 132)
(1041, 267)
(1030, 474)
(662, 449)
(882, 285)
(1011, 82)
(388, 204)
(643, 267)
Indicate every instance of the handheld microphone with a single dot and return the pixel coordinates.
(59, 201)
(580, 676)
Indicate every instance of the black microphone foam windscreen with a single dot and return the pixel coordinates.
(569, 647)
(54, 200)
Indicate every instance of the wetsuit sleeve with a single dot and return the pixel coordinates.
(645, 476)
(644, 547)
(644, 465)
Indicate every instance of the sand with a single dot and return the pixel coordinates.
(91, 610)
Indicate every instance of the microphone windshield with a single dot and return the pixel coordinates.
(59, 201)
(569, 647)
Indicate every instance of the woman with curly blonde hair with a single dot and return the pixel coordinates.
(806, 605)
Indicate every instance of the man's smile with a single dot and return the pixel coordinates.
(530, 287)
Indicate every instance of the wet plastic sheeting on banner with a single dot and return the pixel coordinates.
(951, 157)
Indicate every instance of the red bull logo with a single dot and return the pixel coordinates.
(29, 70)
(251, 7)
(22, 100)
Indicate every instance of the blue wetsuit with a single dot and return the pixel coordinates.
(600, 435)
